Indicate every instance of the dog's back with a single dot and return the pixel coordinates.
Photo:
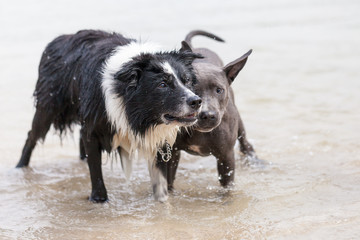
(61, 75)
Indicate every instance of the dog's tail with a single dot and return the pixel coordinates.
(194, 33)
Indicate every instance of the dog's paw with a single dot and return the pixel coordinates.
(160, 192)
(251, 160)
(160, 189)
(98, 197)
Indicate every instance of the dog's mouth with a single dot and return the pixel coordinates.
(205, 126)
(204, 129)
(187, 119)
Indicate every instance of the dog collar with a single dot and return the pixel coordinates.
(165, 156)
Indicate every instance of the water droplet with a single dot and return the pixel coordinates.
(230, 173)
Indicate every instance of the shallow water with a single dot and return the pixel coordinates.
(298, 96)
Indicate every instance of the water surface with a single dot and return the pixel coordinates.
(298, 96)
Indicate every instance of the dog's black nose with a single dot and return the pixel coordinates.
(194, 102)
(208, 115)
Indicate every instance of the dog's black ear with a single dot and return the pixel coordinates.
(129, 75)
(189, 57)
(188, 51)
(185, 47)
(232, 69)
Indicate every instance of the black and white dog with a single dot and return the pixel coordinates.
(127, 96)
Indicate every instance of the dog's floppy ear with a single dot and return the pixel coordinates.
(185, 47)
(129, 75)
(232, 69)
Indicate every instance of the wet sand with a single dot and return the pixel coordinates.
(298, 96)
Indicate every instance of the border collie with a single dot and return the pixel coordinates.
(126, 95)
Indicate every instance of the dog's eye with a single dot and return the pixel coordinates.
(162, 85)
(219, 90)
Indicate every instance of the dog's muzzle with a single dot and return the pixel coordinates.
(207, 121)
(185, 117)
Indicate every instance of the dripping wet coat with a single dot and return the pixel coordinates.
(127, 96)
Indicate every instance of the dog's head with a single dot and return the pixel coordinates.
(153, 88)
(213, 87)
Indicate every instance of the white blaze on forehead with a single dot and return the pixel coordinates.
(170, 70)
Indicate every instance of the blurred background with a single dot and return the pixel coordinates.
(298, 96)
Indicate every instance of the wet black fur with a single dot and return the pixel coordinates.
(68, 64)
(68, 91)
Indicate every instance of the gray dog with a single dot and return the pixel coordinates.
(219, 124)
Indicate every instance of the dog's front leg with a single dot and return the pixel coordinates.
(169, 168)
(226, 167)
(82, 150)
(158, 179)
(93, 152)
